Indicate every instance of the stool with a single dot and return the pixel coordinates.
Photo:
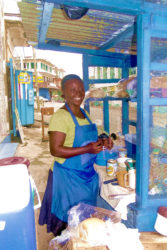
(45, 117)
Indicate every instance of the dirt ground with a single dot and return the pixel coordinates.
(40, 160)
(37, 151)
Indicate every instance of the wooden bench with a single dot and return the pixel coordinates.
(153, 241)
(46, 114)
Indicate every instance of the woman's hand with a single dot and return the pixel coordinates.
(108, 143)
(57, 148)
(95, 147)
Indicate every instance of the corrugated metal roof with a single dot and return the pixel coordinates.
(90, 32)
(99, 30)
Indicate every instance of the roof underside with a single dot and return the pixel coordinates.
(101, 30)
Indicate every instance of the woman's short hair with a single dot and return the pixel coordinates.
(69, 77)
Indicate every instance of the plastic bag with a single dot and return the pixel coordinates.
(84, 211)
(96, 93)
(120, 89)
(126, 87)
(74, 12)
(110, 237)
(76, 215)
(132, 87)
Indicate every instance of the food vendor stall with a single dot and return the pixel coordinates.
(122, 34)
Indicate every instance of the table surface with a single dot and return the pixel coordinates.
(106, 190)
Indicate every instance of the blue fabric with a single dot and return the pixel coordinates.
(54, 225)
(76, 180)
(69, 77)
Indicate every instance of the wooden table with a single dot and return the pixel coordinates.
(153, 241)
(150, 240)
(106, 190)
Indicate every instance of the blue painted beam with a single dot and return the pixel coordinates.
(158, 66)
(159, 201)
(106, 115)
(156, 33)
(45, 21)
(129, 6)
(143, 122)
(93, 81)
(120, 37)
(132, 7)
(47, 46)
(115, 60)
(13, 96)
(125, 117)
(108, 98)
(44, 46)
(158, 101)
(130, 122)
(85, 68)
(158, 8)
(159, 20)
(125, 104)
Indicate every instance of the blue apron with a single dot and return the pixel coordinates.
(76, 180)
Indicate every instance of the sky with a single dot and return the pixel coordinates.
(70, 62)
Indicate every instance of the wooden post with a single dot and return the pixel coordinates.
(36, 81)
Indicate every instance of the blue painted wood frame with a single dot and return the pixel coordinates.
(129, 7)
(106, 116)
(105, 101)
(93, 81)
(45, 21)
(89, 60)
(125, 103)
(131, 59)
(143, 110)
(85, 67)
(142, 214)
(138, 210)
(13, 96)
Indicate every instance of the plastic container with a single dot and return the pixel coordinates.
(130, 142)
(104, 156)
(161, 221)
(17, 219)
(14, 160)
(111, 167)
(120, 174)
(122, 163)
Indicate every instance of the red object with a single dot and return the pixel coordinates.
(163, 211)
(14, 160)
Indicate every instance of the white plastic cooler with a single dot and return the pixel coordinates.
(17, 220)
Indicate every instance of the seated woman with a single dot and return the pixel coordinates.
(74, 143)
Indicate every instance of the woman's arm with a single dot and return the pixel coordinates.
(56, 142)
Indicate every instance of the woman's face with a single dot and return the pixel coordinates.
(74, 92)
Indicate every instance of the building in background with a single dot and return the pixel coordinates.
(46, 76)
(11, 35)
